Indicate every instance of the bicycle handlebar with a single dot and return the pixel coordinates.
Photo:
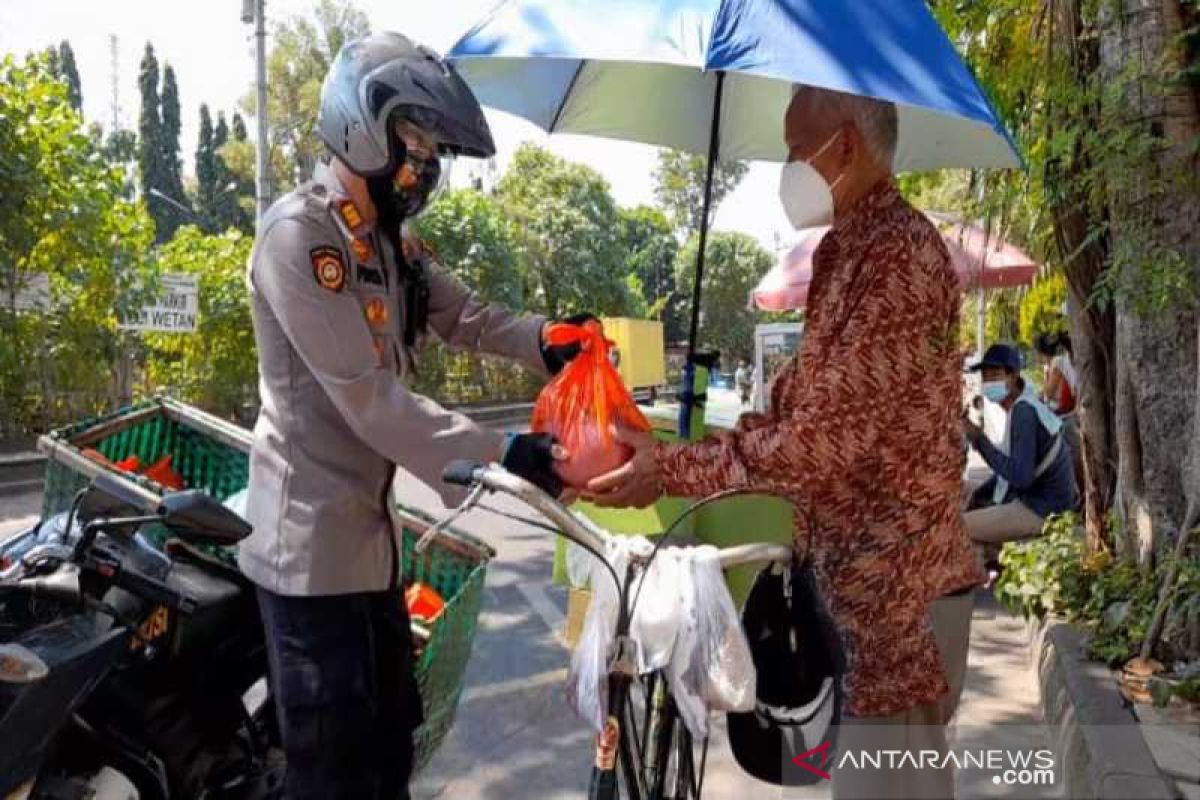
(575, 526)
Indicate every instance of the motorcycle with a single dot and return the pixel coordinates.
(129, 671)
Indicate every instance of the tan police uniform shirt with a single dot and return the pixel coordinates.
(336, 415)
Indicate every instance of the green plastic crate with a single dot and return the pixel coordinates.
(207, 452)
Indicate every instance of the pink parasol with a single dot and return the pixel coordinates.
(981, 262)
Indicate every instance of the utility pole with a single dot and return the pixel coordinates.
(114, 77)
(255, 11)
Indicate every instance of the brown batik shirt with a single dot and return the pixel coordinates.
(863, 432)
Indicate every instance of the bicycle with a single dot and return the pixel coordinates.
(644, 735)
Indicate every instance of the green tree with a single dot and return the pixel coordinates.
(120, 149)
(237, 163)
(301, 55)
(170, 164)
(475, 241)
(216, 367)
(1041, 308)
(735, 263)
(207, 177)
(234, 196)
(567, 235)
(649, 250)
(239, 128)
(679, 187)
(1099, 94)
(63, 218)
(69, 73)
(149, 125)
(158, 147)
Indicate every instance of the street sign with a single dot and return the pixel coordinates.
(175, 310)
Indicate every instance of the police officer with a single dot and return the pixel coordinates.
(341, 300)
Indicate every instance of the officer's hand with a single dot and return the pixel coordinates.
(558, 356)
(532, 456)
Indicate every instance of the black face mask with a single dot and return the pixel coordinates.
(395, 203)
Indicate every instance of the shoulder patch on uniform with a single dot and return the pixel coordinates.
(328, 268)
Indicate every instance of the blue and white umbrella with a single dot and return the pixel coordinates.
(715, 76)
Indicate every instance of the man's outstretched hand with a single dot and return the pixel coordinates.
(636, 483)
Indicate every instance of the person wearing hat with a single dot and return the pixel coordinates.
(1033, 474)
(341, 300)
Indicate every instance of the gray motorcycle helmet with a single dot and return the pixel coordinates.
(383, 77)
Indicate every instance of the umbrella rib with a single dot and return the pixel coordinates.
(566, 95)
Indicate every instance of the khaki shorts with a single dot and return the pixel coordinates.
(922, 728)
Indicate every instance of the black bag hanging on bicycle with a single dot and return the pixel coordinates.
(799, 663)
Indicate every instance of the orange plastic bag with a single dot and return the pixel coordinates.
(160, 472)
(128, 464)
(423, 602)
(585, 404)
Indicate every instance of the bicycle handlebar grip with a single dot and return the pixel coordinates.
(461, 472)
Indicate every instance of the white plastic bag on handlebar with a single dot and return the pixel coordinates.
(587, 680)
(659, 613)
(579, 564)
(711, 668)
(684, 622)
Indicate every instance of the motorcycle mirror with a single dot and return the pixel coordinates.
(109, 496)
(199, 518)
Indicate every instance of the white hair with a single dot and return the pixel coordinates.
(874, 119)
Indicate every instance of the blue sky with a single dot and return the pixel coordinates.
(211, 51)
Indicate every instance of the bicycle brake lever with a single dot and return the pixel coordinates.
(463, 507)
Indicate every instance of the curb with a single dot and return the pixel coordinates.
(1103, 752)
(10, 488)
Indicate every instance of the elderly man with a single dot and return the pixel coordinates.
(862, 431)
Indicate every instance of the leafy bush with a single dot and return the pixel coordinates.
(1046, 575)
(1114, 601)
(63, 221)
(1041, 309)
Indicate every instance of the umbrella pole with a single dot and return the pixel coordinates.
(688, 396)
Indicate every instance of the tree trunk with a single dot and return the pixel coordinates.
(1093, 334)
(1093, 327)
(1155, 212)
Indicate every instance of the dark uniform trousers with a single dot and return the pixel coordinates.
(345, 693)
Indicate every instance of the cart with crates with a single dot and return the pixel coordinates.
(213, 455)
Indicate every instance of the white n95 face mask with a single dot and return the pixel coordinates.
(806, 196)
